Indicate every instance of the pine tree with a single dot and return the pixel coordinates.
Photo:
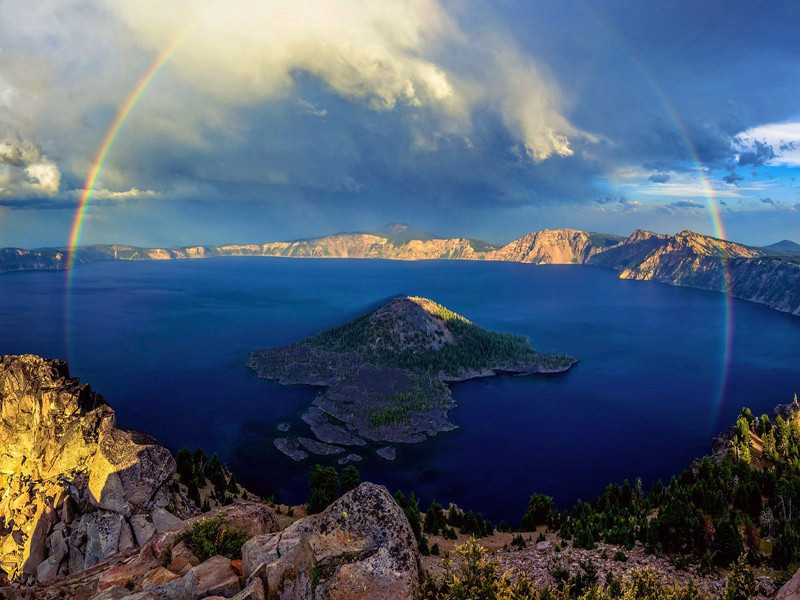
(351, 478)
(193, 493)
(183, 462)
(233, 487)
(324, 488)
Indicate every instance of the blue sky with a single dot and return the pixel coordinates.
(484, 119)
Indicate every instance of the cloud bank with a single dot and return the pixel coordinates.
(381, 54)
(24, 170)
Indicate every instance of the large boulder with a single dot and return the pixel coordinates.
(791, 589)
(253, 517)
(360, 547)
(126, 471)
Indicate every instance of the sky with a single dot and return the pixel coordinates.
(273, 121)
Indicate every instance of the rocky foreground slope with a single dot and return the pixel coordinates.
(75, 489)
(88, 510)
(91, 512)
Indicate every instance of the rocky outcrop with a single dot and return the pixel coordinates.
(554, 246)
(360, 547)
(769, 275)
(397, 242)
(74, 489)
(693, 260)
(89, 511)
(791, 589)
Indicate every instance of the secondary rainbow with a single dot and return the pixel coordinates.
(707, 192)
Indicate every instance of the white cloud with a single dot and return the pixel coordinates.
(25, 170)
(783, 137)
(106, 194)
(383, 54)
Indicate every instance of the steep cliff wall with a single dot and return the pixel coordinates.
(687, 259)
(554, 246)
(694, 260)
(74, 489)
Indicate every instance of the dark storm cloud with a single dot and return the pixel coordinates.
(650, 87)
(732, 178)
(758, 155)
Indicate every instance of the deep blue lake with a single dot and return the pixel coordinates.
(165, 342)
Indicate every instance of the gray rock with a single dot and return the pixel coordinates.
(254, 591)
(143, 528)
(387, 453)
(215, 577)
(36, 544)
(164, 520)
(319, 447)
(284, 427)
(350, 458)
(293, 575)
(290, 448)
(126, 540)
(127, 471)
(791, 589)
(47, 570)
(57, 544)
(115, 592)
(76, 559)
(162, 583)
(361, 547)
(328, 432)
(103, 532)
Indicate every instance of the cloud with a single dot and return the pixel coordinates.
(24, 169)
(687, 204)
(308, 108)
(106, 194)
(659, 177)
(732, 178)
(758, 154)
(760, 142)
(381, 54)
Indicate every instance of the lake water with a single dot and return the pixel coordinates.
(165, 342)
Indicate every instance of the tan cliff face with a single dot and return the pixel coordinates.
(699, 261)
(74, 489)
(687, 259)
(556, 246)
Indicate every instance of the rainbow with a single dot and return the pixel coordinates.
(91, 179)
(708, 193)
(108, 141)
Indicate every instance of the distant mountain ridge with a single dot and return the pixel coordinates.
(784, 247)
(769, 275)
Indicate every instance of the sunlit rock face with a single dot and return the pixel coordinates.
(693, 260)
(554, 246)
(359, 548)
(71, 483)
